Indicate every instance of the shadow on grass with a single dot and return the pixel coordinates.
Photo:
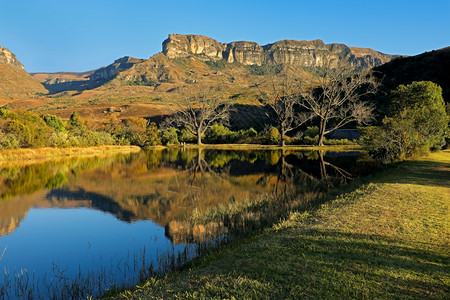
(428, 173)
(327, 264)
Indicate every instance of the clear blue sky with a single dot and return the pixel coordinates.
(81, 35)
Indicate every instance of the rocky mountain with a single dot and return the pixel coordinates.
(286, 52)
(190, 59)
(15, 82)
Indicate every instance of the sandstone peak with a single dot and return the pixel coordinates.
(7, 57)
(289, 52)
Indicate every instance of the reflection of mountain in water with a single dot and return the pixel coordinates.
(163, 186)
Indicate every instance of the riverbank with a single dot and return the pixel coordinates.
(38, 154)
(386, 239)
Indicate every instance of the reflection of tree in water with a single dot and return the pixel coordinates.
(195, 193)
(292, 189)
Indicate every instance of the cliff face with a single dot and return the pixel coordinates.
(288, 52)
(7, 57)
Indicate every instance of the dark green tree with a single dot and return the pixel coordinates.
(417, 122)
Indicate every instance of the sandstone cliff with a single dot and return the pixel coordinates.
(287, 52)
(7, 57)
(15, 82)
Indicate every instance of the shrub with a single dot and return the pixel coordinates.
(219, 134)
(54, 122)
(170, 136)
(272, 136)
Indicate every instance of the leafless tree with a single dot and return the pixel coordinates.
(282, 97)
(338, 98)
(199, 111)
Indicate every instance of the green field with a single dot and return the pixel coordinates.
(387, 238)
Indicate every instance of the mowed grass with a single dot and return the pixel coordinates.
(386, 239)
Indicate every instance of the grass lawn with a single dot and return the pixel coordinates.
(386, 239)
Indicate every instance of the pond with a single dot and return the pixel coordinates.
(76, 227)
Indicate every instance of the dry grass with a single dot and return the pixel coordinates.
(32, 155)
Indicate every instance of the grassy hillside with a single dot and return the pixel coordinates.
(430, 66)
(388, 239)
(17, 83)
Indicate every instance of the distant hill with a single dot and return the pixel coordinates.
(432, 66)
(71, 81)
(15, 82)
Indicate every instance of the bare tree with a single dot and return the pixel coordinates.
(339, 97)
(282, 97)
(199, 111)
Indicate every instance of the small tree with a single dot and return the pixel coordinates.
(338, 98)
(199, 112)
(75, 123)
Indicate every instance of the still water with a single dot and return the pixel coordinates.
(75, 227)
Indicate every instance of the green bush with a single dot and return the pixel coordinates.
(271, 136)
(9, 142)
(219, 134)
(170, 136)
(54, 122)
(186, 136)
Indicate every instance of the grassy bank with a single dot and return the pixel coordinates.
(386, 239)
(20, 155)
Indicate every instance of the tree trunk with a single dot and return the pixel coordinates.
(323, 169)
(321, 132)
(199, 137)
(282, 138)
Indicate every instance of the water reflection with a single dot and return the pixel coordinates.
(76, 211)
(164, 186)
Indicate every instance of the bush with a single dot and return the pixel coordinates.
(186, 136)
(152, 136)
(219, 134)
(271, 136)
(170, 136)
(54, 122)
(9, 142)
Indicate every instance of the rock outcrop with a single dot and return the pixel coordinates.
(7, 57)
(287, 52)
(15, 82)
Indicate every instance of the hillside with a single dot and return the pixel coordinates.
(15, 82)
(433, 66)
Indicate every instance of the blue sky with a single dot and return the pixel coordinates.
(81, 35)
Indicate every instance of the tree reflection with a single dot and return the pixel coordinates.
(196, 194)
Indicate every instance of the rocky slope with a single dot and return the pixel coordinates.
(286, 52)
(15, 82)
